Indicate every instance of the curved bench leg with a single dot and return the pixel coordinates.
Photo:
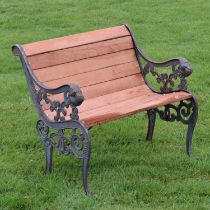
(151, 123)
(49, 153)
(76, 143)
(186, 112)
(85, 166)
(191, 125)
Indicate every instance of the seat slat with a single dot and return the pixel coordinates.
(104, 88)
(75, 40)
(114, 98)
(107, 99)
(131, 106)
(78, 53)
(112, 86)
(99, 76)
(128, 107)
(86, 65)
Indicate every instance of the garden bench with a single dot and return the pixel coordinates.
(86, 79)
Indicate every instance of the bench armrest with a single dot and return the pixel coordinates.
(70, 95)
(180, 69)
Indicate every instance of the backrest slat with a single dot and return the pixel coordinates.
(105, 88)
(75, 40)
(100, 62)
(102, 75)
(83, 66)
(79, 52)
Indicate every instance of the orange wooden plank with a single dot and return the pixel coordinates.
(81, 52)
(86, 65)
(112, 86)
(128, 107)
(132, 106)
(115, 97)
(105, 88)
(98, 76)
(108, 99)
(75, 40)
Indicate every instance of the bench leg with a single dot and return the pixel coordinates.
(151, 123)
(85, 162)
(49, 153)
(191, 125)
(77, 143)
(185, 112)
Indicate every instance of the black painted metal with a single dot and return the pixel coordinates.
(76, 143)
(180, 69)
(53, 133)
(151, 123)
(186, 113)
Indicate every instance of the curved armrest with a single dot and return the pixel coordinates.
(70, 94)
(183, 64)
(180, 70)
(72, 97)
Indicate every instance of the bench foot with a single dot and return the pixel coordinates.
(49, 153)
(85, 172)
(73, 140)
(191, 125)
(186, 112)
(151, 123)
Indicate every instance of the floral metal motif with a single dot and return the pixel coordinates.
(167, 81)
(65, 143)
(54, 133)
(71, 96)
(182, 112)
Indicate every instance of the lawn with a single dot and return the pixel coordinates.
(126, 172)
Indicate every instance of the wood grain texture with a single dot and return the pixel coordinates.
(112, 86)
(103, 63)
(82, 66)
(104, 100)
(127, 107)
(75, 40)
(104, 88)
(81, 52)
(99, 76)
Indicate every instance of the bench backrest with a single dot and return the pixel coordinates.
(100, 62)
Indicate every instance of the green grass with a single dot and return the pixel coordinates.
(126, 172)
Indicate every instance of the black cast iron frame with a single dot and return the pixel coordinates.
(186, 111)
(52, 133)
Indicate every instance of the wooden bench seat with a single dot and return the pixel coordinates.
(122, 103)
(86, 79)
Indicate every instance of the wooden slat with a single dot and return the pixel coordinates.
(131, 106)
(128, 107)
(75, 40)
(98, 76)
(80, 52)
(86, 65)
(112, 86)
(114, 98)
(107, 99)
(104, 88)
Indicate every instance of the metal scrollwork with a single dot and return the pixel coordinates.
(73, 143)
(167, 81)
(182, 112)
(180, 69)
(72, 98)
